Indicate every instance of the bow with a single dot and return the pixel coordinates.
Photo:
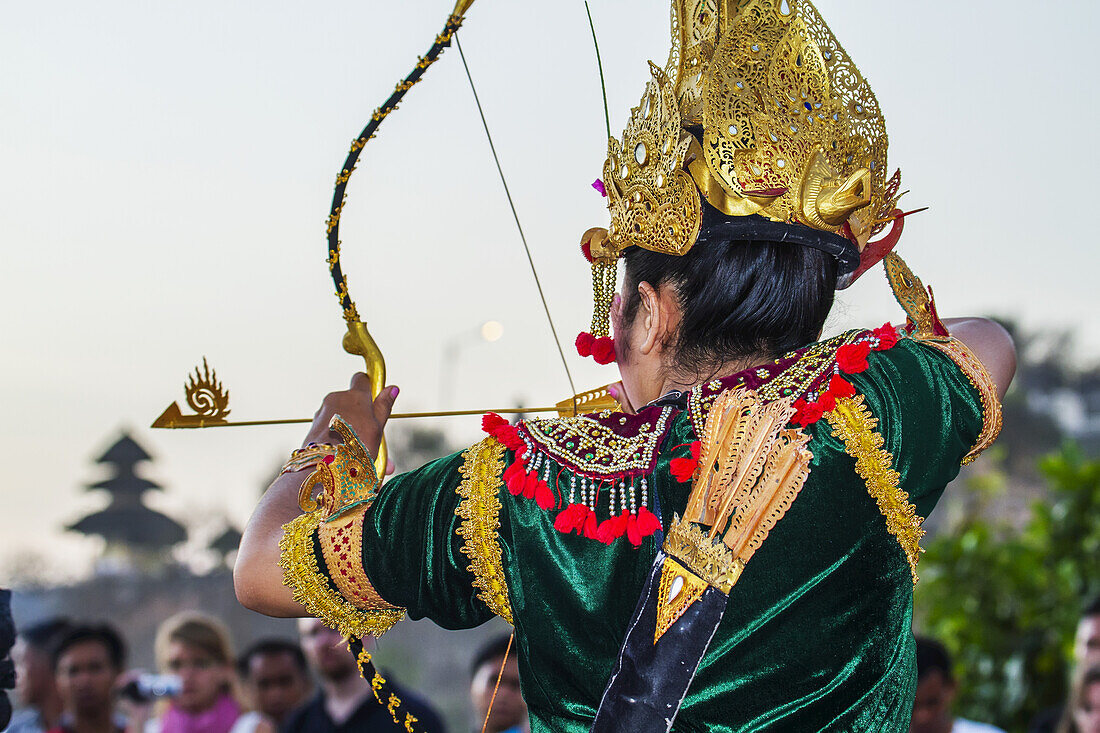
(207, 397)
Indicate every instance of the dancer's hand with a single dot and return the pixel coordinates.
(365, 415)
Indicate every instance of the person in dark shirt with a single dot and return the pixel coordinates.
(346, 701)
(7, 670)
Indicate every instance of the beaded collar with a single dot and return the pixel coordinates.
(800, 374)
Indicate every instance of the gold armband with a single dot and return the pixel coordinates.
(344, 599)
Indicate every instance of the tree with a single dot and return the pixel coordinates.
(1006, 603)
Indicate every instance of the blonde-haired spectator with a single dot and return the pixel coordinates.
(197, 648)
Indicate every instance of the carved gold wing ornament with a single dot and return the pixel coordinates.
(209, 400)
(751, 469)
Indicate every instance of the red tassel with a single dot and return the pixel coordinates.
(544, 497)
(632, 532)
(515, 482)
(647, 522)
(570, 518)
(887, 337)
(612, 528)
(840, 388)
(491, 422)
(529, 483)
(584, 343)
(852, 358)
(591, 526)
(806, 413)
(683, 469)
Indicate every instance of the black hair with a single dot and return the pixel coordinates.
(101, 634)
(272, 647)
(495, 648)
(45, 634)
(739, 298)
(1092, 608)
(932, 657)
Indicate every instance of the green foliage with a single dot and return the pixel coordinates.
(1006, 602)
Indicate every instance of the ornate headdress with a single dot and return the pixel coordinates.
(761, 115)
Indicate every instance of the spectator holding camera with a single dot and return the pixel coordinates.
(197, 649)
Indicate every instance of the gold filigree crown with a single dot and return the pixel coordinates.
(767, 114)
(760, 113)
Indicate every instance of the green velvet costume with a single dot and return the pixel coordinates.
(817, 632)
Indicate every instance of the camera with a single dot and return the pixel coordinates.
(150, 687)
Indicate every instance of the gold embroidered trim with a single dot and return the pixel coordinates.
(312, 589)
(342, 548)
(482, 470)
(853, 423)
(977, 375)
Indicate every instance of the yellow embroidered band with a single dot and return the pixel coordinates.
(853, 423)
(976, 373)
(344, 598)
(482, 469)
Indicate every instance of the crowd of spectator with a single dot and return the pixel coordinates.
(72, 677)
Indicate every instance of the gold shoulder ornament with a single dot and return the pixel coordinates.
(751, 469)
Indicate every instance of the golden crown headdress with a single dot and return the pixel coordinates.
(760, 114)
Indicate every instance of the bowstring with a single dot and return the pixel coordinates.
(515, 215)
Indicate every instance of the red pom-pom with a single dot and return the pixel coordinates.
(648, 523)
(603, 350)
(806, 413)
(544, 497)
(612, 529)
(840, 388)
(887, 337)
(570, 518)
(491, 422)
(852, 358)
(584, 343)
(586, 250)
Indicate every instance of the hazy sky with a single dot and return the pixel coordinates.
(166, 169)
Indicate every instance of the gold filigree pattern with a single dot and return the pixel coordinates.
(482, 468)
(347, 481)
(654, 203)
(977, 375)
(205, 395)
(791, 130)
(853, 423)
(341, 541)
(591, 448)
(792, 376)
(313, 590)
(709, 559)
(914, 298)
(677, 590)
